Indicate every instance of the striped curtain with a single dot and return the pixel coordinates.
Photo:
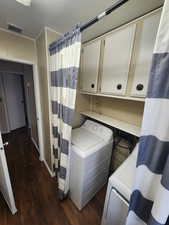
(64, 65)
(149, 202)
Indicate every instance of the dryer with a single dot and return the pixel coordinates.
(119, 191)
(91, 151)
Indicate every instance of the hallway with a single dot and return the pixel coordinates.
(35, 191)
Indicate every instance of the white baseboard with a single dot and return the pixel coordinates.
(34, 142)
(37, 148)
(48, 169)
(43, 160)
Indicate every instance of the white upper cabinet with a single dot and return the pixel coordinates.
(144, 53)
(116, 60)
(90, 67)
(118, 64)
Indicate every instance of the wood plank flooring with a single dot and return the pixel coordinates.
(36, 193)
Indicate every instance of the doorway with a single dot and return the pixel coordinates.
(17, 100)
(20, 121)
(14, 98)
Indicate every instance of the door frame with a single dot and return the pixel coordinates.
(37, 102)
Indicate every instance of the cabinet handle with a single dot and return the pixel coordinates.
(140, 87)
(92, 85)
(119, 87)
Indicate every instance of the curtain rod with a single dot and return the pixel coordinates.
(115, 6)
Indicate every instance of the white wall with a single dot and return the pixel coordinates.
(45, 38)
(15, 47)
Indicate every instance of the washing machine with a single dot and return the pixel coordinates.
(90, 157)
(119, 191)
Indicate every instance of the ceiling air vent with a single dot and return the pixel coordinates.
(14, 28)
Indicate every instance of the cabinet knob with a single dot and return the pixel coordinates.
(119, 87)
(140, 87)
(92, 85)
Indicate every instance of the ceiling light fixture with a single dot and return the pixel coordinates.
(24, 2)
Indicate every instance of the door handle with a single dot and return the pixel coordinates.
(5, 144)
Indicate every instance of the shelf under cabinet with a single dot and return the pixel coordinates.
(114, 96)
(121, 125)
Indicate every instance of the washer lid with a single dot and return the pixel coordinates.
(84, 139)
(123, 178)
(98, 129)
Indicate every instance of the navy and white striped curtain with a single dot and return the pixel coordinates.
(64, 66)
(150, 198)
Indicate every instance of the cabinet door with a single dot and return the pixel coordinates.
(90, 67)
(117, 209)
(116, 61)
(144, 53)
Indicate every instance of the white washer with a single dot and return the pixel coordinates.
(90, 161)
(119, 191)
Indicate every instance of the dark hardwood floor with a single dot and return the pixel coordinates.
(36, 193)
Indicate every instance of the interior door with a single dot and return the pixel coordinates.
(145, 47)
(116, 61)
(90, 67)
(15, 100)
(5, 183)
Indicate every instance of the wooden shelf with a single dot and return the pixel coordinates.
(114, 96)
(121, 125)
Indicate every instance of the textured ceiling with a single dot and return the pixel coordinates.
(61, 15)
